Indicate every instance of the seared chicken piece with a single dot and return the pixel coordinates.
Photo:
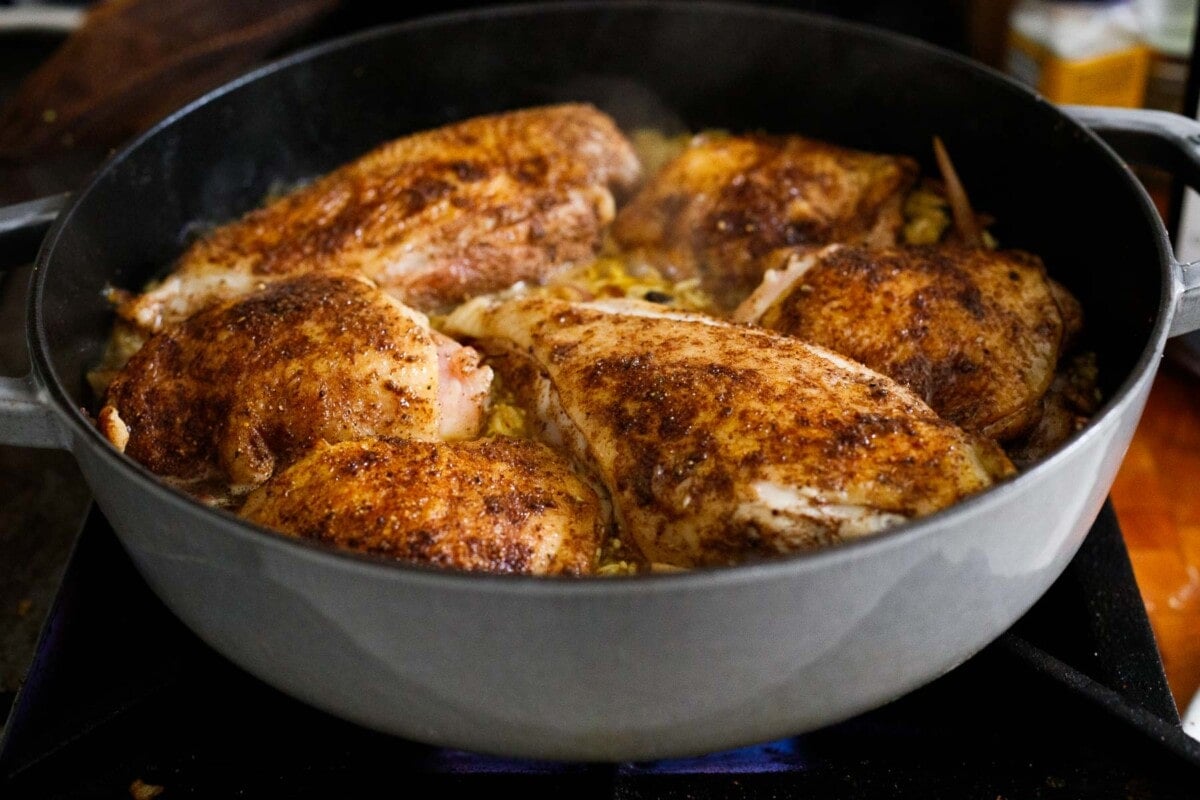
(432, 218)
(716, 441)
(492, 505)
(218, 402)
(975, 333)
(731, 207)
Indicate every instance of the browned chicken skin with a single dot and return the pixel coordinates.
(731, 207)
(719, 442)
(283, 367)
(491, 505)
(975, 333)
(235, 391)
(433, 218)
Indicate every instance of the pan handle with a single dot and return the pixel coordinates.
(27, 419)
(22, 227)
(26, 416)
(1165, 140)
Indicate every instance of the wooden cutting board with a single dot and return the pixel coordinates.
(1157, 498)
(130, 64)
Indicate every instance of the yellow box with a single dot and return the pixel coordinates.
(1113, 79)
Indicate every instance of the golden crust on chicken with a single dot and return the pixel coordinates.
(286, 368)
(731, 207)
(975, 333)
(490, 505)
(433, 218)
(721, 442)
(248, 385)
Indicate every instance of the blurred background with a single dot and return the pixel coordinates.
(78, 80)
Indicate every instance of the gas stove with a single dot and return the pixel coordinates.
(1071, 702)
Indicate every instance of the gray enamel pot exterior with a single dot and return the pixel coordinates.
(613, 670)
(605, 669)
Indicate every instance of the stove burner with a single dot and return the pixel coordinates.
(1071, 702)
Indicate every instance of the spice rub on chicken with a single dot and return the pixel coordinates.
(219, 402)
(491, 505)
(720, 442)
(731, 207)
(288, 371)
(975, 333)
(432, 218)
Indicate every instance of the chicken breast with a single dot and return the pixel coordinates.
(720, 442)
(490, 505)
(217, 403)
(731, 207)
(975, 333)
(433, 218)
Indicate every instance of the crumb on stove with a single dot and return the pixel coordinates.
(140, 790)
(24, 607)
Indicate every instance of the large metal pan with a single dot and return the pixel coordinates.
(635, 668)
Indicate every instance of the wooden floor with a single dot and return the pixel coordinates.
(1157, 498)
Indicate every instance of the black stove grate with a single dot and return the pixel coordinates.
(1070, 703)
